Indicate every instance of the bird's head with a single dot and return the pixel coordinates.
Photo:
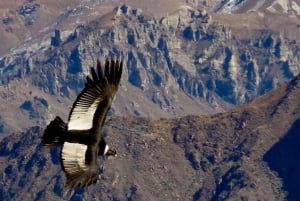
(110, 151)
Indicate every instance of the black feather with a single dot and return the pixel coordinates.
(54, 133)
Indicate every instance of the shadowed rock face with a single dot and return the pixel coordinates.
(283, 158)
(227, 156)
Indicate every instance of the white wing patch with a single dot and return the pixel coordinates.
(82, 116)
(73, 157)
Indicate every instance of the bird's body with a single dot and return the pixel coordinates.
(80, 139)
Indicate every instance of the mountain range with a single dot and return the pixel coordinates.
(208, 107)
(189, 61)
(247, 153)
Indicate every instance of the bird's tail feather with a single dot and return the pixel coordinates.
(54, 133)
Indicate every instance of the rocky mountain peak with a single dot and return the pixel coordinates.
(184, 58)
(184, 16)
(128, 10)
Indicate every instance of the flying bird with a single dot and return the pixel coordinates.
(80, 138)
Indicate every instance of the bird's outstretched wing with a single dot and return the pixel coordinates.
(80, 164)
(92, 104)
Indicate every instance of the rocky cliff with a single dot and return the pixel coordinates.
(184, 63)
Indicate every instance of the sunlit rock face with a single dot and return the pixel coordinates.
(190, 61)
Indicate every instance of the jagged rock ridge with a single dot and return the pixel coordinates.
(184, 63)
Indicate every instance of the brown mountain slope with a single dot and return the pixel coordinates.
(228, 156)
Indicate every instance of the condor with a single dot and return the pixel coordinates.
(80, 138)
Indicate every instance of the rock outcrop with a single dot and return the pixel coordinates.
(184, 63)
